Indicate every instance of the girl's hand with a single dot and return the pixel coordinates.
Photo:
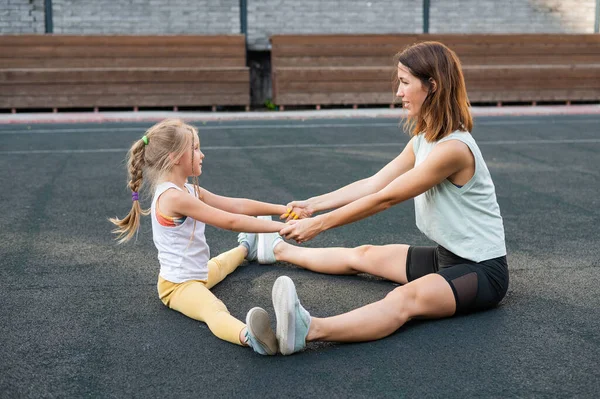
(302, 230)
(297, 210)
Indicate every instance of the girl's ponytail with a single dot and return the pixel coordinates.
(129, 225)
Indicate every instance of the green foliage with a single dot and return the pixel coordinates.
(270, 105)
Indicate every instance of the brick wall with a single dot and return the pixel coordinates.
(512, 16)
(146, 16)
(22, 16)
(267, 17)
(333, 16)
(123, 16)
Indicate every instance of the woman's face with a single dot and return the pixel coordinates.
(411, 90)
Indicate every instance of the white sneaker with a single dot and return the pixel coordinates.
(266, 244)
(293, 321)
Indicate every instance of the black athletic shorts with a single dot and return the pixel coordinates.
(476, 286)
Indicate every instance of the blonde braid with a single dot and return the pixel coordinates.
(130, 224)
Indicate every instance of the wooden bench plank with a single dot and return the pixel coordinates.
(106, 75)
(335, 87)
(534, 95)
(155, 100)
(340, 50)
(473, 46)
(335, 74)
(524, 48)
(123, 40)
(334, 98)
(141, 88)
(326, 61)
(526, 38)
(474, 96)
(336, 39)
(507, 60)
(490, 59)
(123, 62)
(550, 74)
(279, 41)
(113, 52)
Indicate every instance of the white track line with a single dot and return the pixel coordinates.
(279, 126)
(299, 146)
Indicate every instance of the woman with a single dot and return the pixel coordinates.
(455, 204)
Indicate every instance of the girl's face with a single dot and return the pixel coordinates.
(411, 90)
(192, 159)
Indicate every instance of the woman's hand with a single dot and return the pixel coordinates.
(302, 230)
(298, 210)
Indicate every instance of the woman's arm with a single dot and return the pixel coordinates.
(242, 206)
(177, 202)
(445, 160)
(361, 188)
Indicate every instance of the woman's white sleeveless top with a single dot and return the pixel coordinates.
(465, 220)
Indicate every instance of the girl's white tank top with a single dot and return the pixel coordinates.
(182, 258)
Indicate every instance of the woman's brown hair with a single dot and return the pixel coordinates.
(446, 108)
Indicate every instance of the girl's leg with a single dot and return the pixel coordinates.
(194, 299)
(388, 261)
(429, 296)
(221, 266)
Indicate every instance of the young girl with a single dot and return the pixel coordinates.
(165, 157)
(443, 169)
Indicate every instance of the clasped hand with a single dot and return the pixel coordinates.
(300, 230)
(297, 210)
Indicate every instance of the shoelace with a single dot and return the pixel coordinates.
(249, 340)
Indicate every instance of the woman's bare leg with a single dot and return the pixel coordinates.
(429, 296)
(387, 261)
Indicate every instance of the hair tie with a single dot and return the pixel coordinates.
(145, 140)
(134, 196)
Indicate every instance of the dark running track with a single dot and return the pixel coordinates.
(80, 315)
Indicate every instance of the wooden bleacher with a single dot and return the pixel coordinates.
(358, 69)
(66, 71)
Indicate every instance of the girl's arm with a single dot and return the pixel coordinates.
(445, 160)
(241, 206)
(361, 188)
(177, 202)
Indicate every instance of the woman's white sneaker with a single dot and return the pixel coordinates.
(266, 245)
(293, 321)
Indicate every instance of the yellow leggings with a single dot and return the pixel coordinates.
(194, 299)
